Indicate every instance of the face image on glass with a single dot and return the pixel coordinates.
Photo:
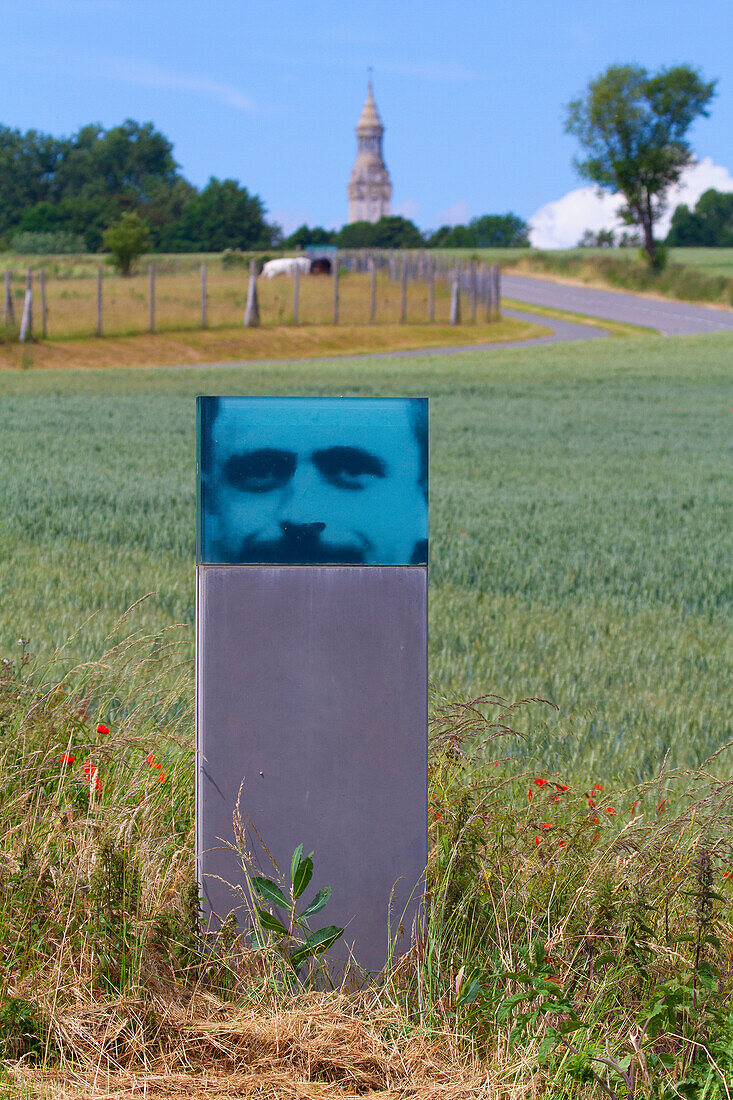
(312, 481)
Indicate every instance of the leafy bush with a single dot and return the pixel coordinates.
(127, 240)
(51, 243)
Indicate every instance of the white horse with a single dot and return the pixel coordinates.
(286, 266)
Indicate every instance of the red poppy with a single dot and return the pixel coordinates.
(101, 728)
(563, 844)
(597, 787)
(150, 759)
(545, 825)
(596, 820)
(540, 782)
(560, 787)
(728, 874)
(529, 794)
(89, 768)
(591, 803)
(537, 841)
(161, 777)
(610, 810)
(556, 799)
(67, 758)
(438, 816)
(157, 765)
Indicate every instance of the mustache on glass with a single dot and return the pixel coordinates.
(300, 543)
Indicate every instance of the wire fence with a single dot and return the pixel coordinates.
(354, 287)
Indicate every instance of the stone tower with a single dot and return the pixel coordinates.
(370, 188)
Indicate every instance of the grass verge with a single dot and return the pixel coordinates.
(614, 328)
(679, 281)
(276, 342)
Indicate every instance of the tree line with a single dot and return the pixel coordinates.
(64, 194)
(68, 194)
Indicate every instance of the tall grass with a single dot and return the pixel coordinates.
(575, 937)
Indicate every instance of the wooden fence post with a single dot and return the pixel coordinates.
(455, 300)
(403, 290)
(151, 284)
(431, 289)
(336, 288)
(373, 299)
(496, 295)
(9, 308)
(204, 319)
(44, 309)
(99, 301)
(486, 292)
(296, 293)
(474, 290)
(26, 323)
(252, 308)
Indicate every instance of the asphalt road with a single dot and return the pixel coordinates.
(669, 318)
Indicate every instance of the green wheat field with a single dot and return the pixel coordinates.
(580, 527)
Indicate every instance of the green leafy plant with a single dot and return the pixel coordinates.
(126, 240)
(292, 937)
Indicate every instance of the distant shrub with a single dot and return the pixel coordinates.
(234, 257)
(127, 240)
(672, 279)
(47, 243)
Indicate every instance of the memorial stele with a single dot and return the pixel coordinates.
(370, 188)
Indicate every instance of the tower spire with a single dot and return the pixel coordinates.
(370, 189)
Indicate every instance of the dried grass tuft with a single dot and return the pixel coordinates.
(320, 1046)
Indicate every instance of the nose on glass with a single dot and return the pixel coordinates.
(301, 532)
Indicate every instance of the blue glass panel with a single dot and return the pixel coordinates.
(312, 480)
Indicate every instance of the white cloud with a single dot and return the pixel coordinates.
(560, 224)
(458, 213)
(407, 209)
(151, 76)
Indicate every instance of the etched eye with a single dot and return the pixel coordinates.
(348, 467)
(260, 471)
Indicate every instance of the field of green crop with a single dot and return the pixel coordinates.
(580, 526)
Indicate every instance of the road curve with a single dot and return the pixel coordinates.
(668, 318)
(562, 331)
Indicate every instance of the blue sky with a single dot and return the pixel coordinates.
(471, 92)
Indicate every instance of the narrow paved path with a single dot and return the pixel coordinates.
(669, 318)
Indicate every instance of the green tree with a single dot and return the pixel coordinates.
(303, 237)
(27, 163)
(634, 126)
(709, 225)
(223, 215)
(126, 240)
(487, 231)
(389, 232)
